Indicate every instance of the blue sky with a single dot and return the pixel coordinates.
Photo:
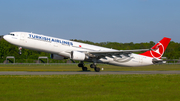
(94, 20)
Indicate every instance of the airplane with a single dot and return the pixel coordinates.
(63, 49)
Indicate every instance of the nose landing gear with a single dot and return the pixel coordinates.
(20, 48)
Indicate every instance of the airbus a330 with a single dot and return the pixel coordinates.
(63, 49)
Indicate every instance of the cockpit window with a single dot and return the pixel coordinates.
(12, 34)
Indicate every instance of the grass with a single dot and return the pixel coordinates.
(72, 67)
(137, 87)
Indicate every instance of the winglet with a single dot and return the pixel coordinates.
(158, 50)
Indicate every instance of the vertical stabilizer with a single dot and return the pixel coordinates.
(158, 50)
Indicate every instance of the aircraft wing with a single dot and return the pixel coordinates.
(118, 51)
(114, 52)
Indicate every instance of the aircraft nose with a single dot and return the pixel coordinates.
(6, 37)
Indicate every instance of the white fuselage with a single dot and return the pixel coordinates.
(64, 47)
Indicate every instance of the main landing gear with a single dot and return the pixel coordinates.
(97, 69)
(81, 64)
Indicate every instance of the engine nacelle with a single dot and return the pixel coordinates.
(75, 55)
(57, 57)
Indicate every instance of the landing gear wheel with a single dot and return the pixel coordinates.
(84, 68)
(97, 69)
(80, 65)
(92, 65)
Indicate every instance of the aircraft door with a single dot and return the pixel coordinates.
(140, 59)
(22, 36)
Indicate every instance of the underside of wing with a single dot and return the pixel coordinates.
(84, 55)
(118, 51)
(100, 54)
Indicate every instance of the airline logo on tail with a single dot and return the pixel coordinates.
(158, 50)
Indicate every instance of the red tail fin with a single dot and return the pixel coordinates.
(158, 49)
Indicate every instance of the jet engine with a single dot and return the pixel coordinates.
(76, 55)
(57, 57)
